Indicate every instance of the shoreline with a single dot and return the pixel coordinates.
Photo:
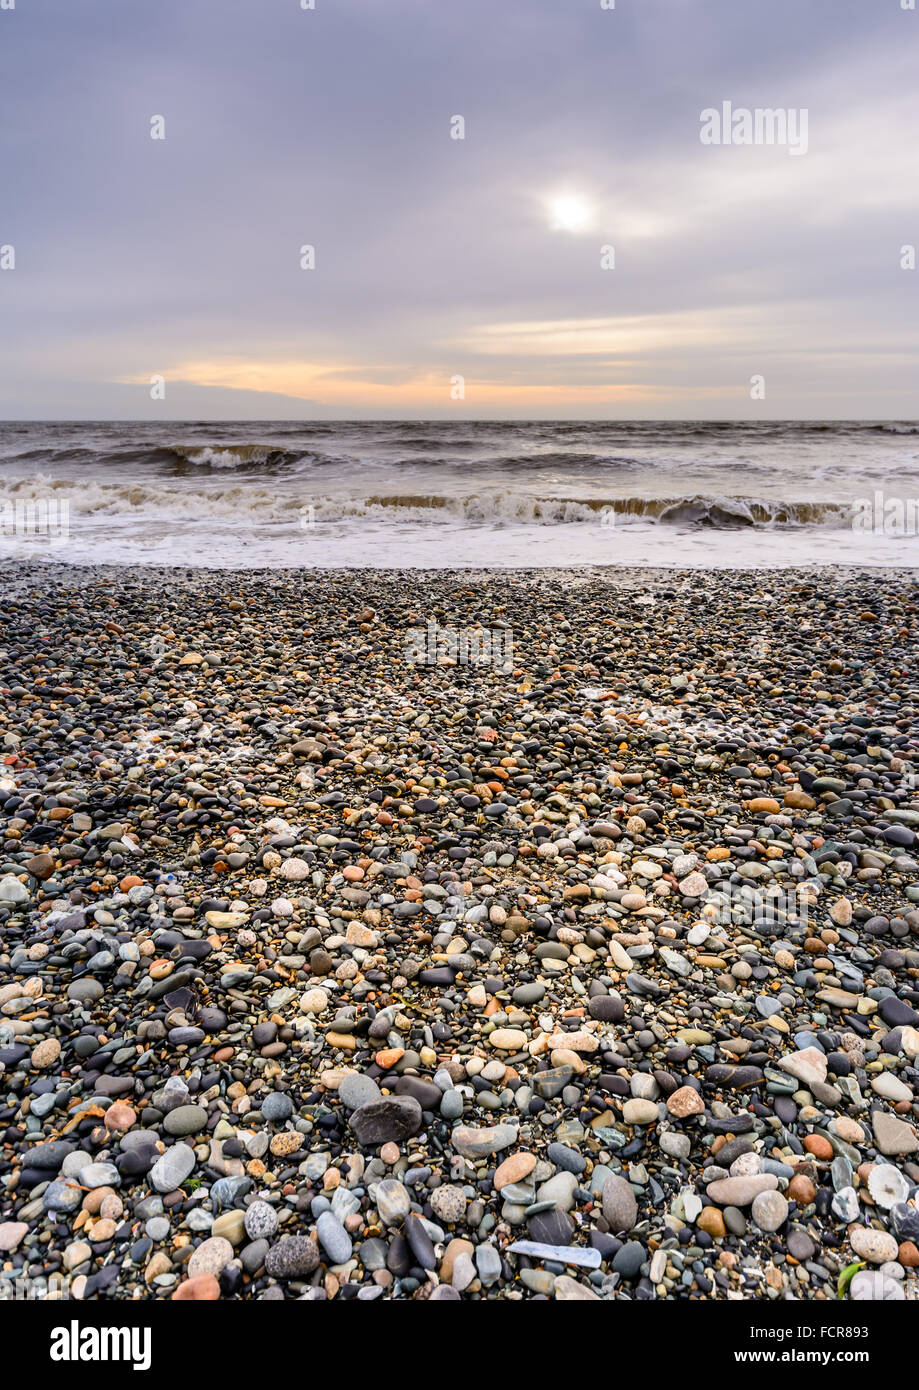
(331, 970)
(574, 574)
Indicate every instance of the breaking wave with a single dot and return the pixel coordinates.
(719, 512)
(246, 503)
(234, 455)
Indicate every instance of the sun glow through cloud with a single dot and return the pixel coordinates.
(570, 213)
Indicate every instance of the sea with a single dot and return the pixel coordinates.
(461, 494)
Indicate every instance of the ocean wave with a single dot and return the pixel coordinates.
(245, 503)
(719, 512)
(555, 459)
(731, 512)
(693, 453)
(220, 456)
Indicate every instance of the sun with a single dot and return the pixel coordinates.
(570, 213)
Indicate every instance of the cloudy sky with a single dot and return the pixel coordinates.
(438, 258)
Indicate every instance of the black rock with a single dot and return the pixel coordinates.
(426, 1093)
(393, 1119)
(606, 1008)
(628, 1261)
(734, 1124)
(420, 1242)
(551, 1227)
(897, 1012)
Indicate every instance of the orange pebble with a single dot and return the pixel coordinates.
(388, 1057)
(818, 1146)
(202, 1289)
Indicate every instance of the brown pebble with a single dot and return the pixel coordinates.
(514, 1169)
(801, 1190)
(684, 1102)
(93, 1200)
(120, 1117)
(711, 1220)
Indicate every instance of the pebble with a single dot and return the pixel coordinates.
(769, 1210)
(171, 1170)
(11, 1233)
(210, 1256)
(620, 1209)
(877, 1246)
(740, 1191)
(333, 1238)
(261, 1220)
(292, 1257)
(355, 1089)
(639, 1112)
(449, 1203)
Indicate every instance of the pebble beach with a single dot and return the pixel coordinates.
(589, 974)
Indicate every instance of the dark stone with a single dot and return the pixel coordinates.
(212, 1020)
(606, 1008)
(440, 976)
(553, 1227)
(565, 1158)
(426, 1093)
(320, 962)
(786, 1109)
(548, 1084)
(420, 1241)
(49, 1156)
(897, 1012)
(734, 1124)
(277, 1107)
(393, 1119)
(114, 1086)
(135, 1163)
(800, 1245)
(628, 1261)
(616, 1085)
(732, 1150)
(722, 1074)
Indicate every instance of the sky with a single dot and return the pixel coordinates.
(453, 276)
